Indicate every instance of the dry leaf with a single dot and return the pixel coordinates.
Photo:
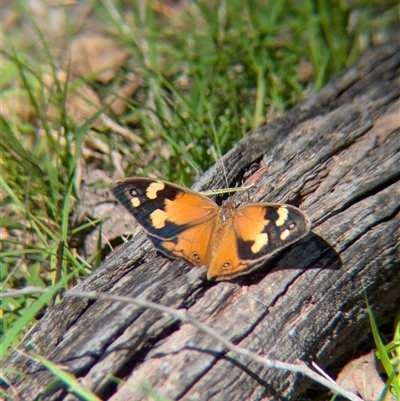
(83, 104)
(118, 105)
(305, 71)
(94, 54)
(361, 377)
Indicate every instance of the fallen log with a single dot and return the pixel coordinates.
(336, 156)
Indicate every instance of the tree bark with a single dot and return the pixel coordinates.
(336, 155)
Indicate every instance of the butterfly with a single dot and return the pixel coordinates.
(230, 240)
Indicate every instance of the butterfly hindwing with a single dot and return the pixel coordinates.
(193, 244)
(226, 262)
(163, 209)
(263, 229)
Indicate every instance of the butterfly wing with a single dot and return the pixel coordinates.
(245, 236)
(192, 244)
(178, 221)
(225, 261)
(265, 228)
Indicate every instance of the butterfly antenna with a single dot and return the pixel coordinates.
(218, 156)
(224, 170)
(218, 148)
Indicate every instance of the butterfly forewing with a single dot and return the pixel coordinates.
(163, 209)
(263, 229)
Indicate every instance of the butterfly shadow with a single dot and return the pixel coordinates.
(312, 252)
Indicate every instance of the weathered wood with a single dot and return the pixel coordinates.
(337, 156)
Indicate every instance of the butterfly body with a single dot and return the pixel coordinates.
(229, 240)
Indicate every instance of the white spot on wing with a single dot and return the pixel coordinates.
(284, 234)
(260, 241)
(153, 188)
(135, 202)
(158, 218)
(283, 215)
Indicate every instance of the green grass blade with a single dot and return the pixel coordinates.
(382, 354)
(67, 378)
(30, 313)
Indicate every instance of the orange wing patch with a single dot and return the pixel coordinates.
(189, 209)
(250, 222)
(225, 261)
(193, 244)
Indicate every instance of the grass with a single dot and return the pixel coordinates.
(388, 354)
(208, 73)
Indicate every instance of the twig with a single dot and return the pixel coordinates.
(184, 316)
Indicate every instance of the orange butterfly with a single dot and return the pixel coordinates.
(230, 241)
